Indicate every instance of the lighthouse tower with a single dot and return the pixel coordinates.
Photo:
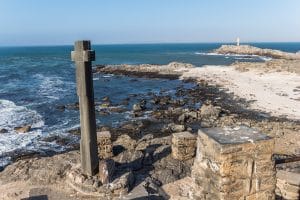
(238, 41)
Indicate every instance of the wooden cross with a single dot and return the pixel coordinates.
(83, 57)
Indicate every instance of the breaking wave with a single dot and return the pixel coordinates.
(236, 56)
(12, 116)
(53, 87)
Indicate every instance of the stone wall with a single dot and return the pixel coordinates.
(183, 145)
(104, 144)
(234, 163)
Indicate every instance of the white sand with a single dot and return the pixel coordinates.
(274, 93)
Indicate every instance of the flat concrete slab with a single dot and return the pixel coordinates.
(234, 135)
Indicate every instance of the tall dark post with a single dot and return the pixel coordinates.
(83, 57)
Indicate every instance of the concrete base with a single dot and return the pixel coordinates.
(92, 186)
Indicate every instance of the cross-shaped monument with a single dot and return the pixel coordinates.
(83, 57)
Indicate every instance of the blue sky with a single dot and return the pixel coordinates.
(42, 22)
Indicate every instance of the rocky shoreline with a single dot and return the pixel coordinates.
(251, 50)
(143, 145)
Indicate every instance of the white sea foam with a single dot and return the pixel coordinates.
(12, 116)
(107, 75)
(265, 58)
(4, 161)
(236, 56)
(208, 54)
(53, 87)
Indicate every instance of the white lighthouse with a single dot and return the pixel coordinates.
(238, 41)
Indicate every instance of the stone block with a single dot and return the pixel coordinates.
(183, 145)
(288, 185)
(106, 171)
(234, 163)
(104, 145)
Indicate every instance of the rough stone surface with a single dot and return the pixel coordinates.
(91, 185)
(129, 159)
(106, 170)
(124, 141)
(234, 163)
(83, 57)
(183, 189)
(104, 144)
(288, 185)
(183, 145)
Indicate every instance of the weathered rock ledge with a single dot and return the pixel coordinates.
(251, 50)
(171, 71)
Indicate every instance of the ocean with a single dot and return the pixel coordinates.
(35, 81)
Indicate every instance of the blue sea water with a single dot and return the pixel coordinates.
(35, 80)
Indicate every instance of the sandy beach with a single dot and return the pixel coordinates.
(276, 93)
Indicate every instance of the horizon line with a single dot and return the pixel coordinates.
(144, 43)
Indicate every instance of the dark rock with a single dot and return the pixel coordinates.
(117, 109)
(139, 106)
(75, 131)
(74, 106)
(106, 99)
(104, 112)
(3, 130)
(61, 108)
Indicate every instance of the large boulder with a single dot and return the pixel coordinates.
(129, 159)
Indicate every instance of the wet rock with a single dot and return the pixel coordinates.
(175, 111)
(3, 130)
(75, 131)
(117, 109)
(61, 108)
(104, 112)
(106, 99)
(23, 129)
(74, 106)
(105, 102)
(139, 106)
(130, 159)
(164, 100)
(57, 139)
(104, 105)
